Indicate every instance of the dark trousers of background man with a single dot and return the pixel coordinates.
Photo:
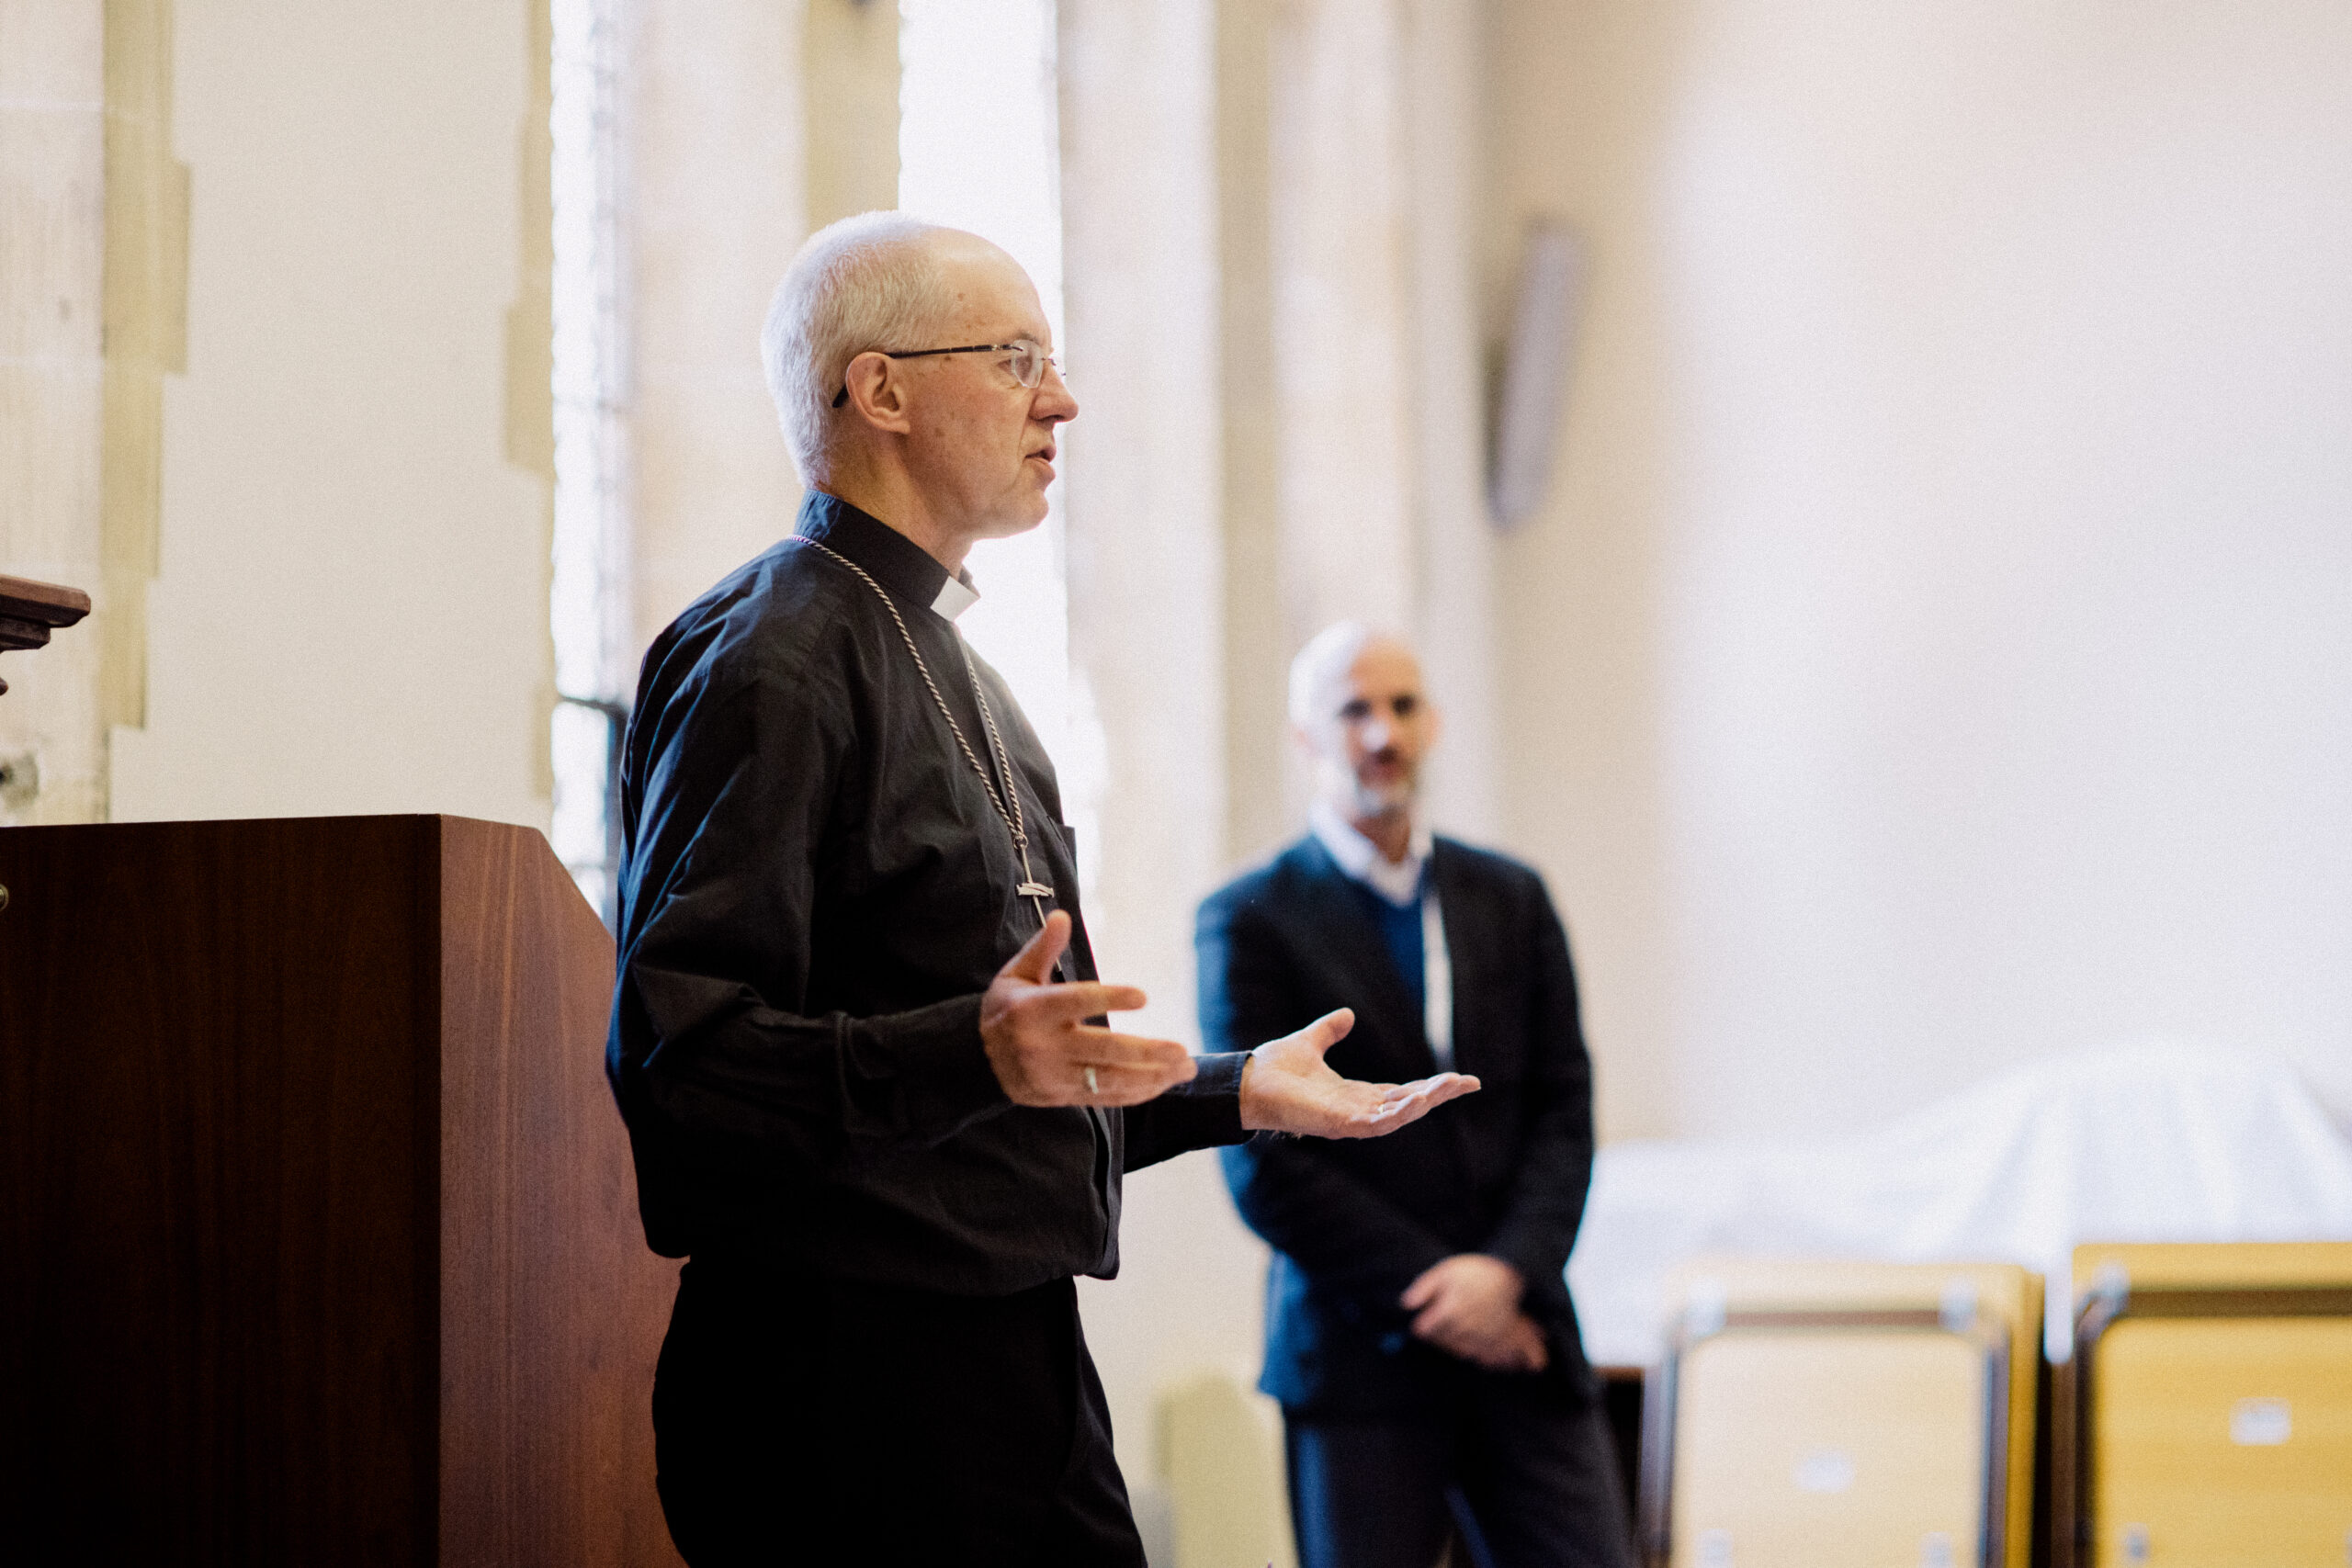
(806, 1421)
(1522, 1468)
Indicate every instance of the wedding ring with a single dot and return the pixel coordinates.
(1091, 1087)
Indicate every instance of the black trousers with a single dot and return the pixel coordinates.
(1526, 1473)
(817, 1422)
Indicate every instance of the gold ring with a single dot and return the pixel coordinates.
(1091, 1087)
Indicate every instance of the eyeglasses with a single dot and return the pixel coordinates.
(1028, 362)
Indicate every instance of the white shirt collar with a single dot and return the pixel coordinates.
(1399, 882)
(955, 595)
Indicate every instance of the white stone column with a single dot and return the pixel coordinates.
(747, 126)
(1455, 613)
(1258, 638)
(1147, 599)
(715, 203)
(1342, 255)
(1374, 135)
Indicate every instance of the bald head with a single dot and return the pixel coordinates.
(1322, 664)
(1358, 707)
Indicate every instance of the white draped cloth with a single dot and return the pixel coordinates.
(2147, 1143)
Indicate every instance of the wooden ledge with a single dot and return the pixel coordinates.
(29, 611)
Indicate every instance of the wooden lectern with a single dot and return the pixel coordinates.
(318, 1237)
(29, 611)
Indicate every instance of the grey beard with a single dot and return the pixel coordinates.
(1366, 801)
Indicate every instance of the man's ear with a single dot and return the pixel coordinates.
(879, 393)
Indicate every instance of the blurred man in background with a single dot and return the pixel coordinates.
(1420, 1340)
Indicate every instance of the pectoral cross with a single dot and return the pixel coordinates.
(1037, 892)
(1030, 888)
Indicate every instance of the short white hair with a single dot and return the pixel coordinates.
(1328, 654)
(866, 282)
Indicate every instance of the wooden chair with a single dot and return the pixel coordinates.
(2206, 1418)
(1843, 1416)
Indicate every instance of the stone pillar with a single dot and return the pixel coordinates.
(749, 124)
(146, 334)
(1453, 615)
(715, 204)
(1258, 638)
(1378, 419)
(1341, 260)
(1148, 585)
(850, 87)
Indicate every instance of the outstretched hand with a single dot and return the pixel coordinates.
(1045, 1053)
(1289, 1088)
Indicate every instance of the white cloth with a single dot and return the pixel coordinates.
(2146, 1143)
(1401, 882)
(955, 596)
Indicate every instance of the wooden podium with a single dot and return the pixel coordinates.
(29, 611)
(318, 1237)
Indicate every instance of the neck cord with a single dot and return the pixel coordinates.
(1008, 802)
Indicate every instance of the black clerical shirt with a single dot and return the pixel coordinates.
(815, 890)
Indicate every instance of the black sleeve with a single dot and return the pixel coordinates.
(1201, 1114)
(1345, 1236)
(731, 796)
(1547, 1192)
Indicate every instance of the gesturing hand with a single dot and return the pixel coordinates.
(1036, 1033)
(1468, 1305)
(1288, 1087)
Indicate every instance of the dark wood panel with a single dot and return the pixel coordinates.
(553, 1309)
(217, 1138)
(318, 1240)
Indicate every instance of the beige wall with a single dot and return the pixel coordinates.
(52, 197)
(1935, 652)
(351, 611)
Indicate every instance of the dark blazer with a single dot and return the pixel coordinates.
(1503, 1171)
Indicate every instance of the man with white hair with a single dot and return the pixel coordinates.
(858, 1034)
(1420, 1338)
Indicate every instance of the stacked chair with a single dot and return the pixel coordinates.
(1843, 1416)
(2206, 1417)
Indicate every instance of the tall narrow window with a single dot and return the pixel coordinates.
(589, 602)
(980, 149)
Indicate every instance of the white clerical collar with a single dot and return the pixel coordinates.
(1399, 882)
(955, 595)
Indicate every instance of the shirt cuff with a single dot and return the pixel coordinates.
(1210, 1105)
(1219, 1081)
